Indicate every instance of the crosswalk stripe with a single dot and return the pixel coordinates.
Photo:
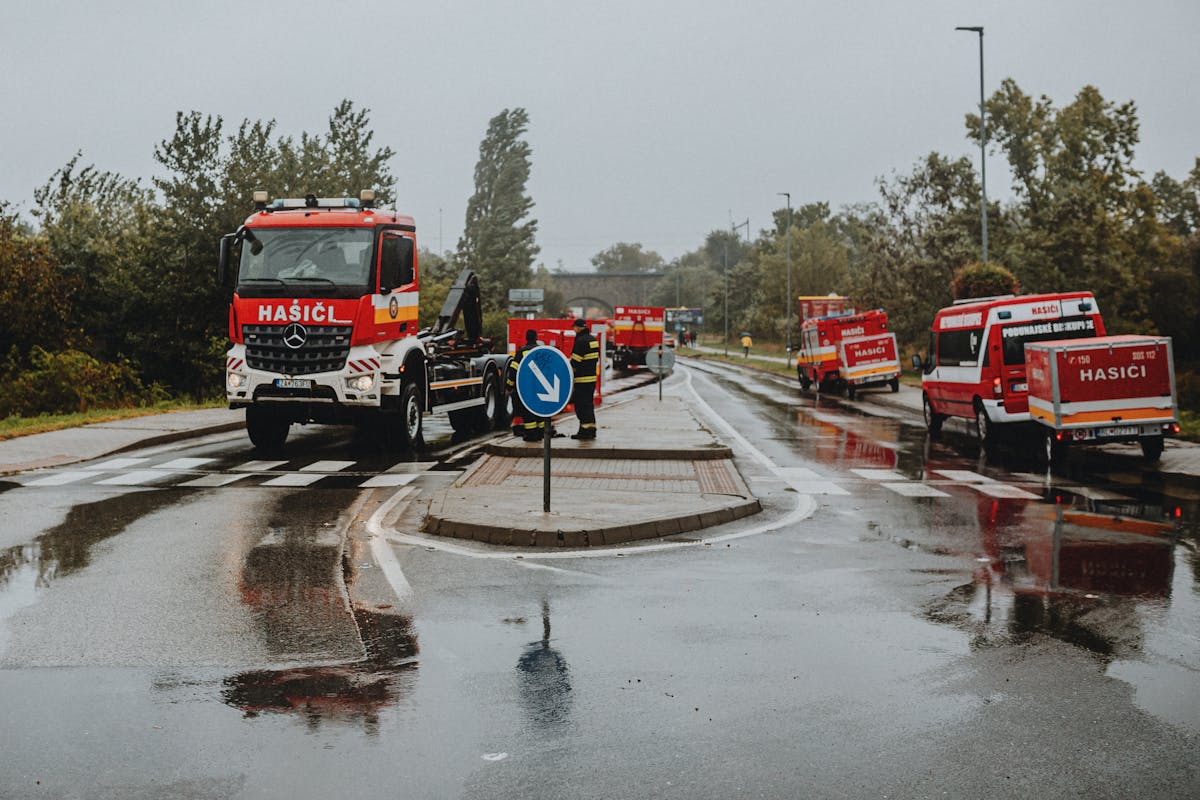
(817, 487)
(963, 476)
(798, 473)
(1004, 491)
(135, 478)
(117, 463)
(879, 474)
(911, 489)
(216, 479)
(60, 478)
(257, 466)
(293, 479)
(327, 466)
(184, 463)
(390, 479)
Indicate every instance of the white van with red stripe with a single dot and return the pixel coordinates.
(975, 368)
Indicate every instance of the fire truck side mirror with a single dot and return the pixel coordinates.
(917, 362)
(223, 260)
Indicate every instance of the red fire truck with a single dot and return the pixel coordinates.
(636, 329)
(1106, 389)
(848, 352)
(975, 368)
(324, 326)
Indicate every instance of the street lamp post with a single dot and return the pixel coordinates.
(788, 303)
(982, 137)
(725, 260)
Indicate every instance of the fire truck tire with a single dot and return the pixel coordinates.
(984, 428)
(487, 416)
(933, 420)
(805, 381)
(851, 391)
(268, 429)
(1152, 447)
(895, 384)
(405, 428)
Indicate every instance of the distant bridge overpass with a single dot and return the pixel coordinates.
(607, 289)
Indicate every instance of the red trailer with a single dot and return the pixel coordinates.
(1103, 389)
(847, 352)
(869, 361)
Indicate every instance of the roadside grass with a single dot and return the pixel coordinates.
(1189, 425)
(12, 427)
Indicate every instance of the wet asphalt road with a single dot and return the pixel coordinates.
(1015, 635)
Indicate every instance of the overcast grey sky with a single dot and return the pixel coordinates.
(651, 122)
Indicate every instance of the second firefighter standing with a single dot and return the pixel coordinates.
(585, 359)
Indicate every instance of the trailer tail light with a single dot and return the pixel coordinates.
(1173, 427)
(1060, 435)
(997, 387)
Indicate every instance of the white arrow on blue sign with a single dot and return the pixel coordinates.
(544, 381)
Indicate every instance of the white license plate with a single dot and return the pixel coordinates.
(293, 383)
(1020, 387)
(1119, 430)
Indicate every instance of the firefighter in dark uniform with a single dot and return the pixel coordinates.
(525, 425)
(585, 358)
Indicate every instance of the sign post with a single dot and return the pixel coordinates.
(660, 361)
(544, 382)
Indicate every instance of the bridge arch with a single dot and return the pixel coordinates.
(587, 302)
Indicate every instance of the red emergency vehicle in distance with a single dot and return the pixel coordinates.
(848, 352)
(635, 330)
(975, 368)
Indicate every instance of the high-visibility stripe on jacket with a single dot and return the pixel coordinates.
(585, 357)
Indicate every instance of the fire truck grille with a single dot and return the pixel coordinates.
(324, 349)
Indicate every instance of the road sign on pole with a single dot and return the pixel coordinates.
(660, 361)
(544, 382)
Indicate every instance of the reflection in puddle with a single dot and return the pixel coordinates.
(349, 693)
(545, 687)
(1078, 574)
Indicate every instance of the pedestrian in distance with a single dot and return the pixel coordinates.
(585, 358)
(747, 343)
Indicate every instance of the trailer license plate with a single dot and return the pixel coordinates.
(293, 383)
(1119, 430)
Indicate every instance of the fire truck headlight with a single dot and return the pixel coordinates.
(235, 381)
(362, 383)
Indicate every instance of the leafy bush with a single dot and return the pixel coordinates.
(983, 280)
(72, 381)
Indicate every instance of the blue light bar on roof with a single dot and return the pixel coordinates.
(316, 202)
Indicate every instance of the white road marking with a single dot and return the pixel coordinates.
(60, 478)
(384, 556)
(210, 481)
(911, 489)
(388, 479)
(136, 478)
(817, 487)
(117, 463)
(258, 466)
(1004, 491)
(293, 479)
(879, 474)
(184, 463)
(963, 476)
(798, 473)
(1094, 494)
(327, 466)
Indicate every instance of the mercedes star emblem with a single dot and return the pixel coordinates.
(294, 335)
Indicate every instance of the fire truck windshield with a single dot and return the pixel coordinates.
(299, 259)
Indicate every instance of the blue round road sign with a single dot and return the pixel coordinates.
(544, 381)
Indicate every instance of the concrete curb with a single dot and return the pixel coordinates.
(588, 537)
(534, 450)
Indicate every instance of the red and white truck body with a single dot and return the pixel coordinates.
(975, 368)
(869, 360)
(1106, 389)
(847, 351)
(636, 329)
(323, 326)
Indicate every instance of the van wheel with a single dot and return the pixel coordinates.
(933, 420)
(895, 384)
(1152, 447)
(984, 428)
(851, 391)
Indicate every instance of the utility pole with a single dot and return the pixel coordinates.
(733, 229)
(787, 313)
(982, 137)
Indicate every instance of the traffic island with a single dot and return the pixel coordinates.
(654, 471)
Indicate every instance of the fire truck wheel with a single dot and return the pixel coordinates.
(895, 384)
(851, 391)
(933, 421)
(983, 427)
(407, 426)
(805, 382)
(487, 416)
(1152, 447)
(268, 429)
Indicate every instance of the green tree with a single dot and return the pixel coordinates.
(626, 257)
(35, 295)
(983, 280)
(498, 237)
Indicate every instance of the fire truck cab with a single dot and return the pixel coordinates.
(975, 367)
